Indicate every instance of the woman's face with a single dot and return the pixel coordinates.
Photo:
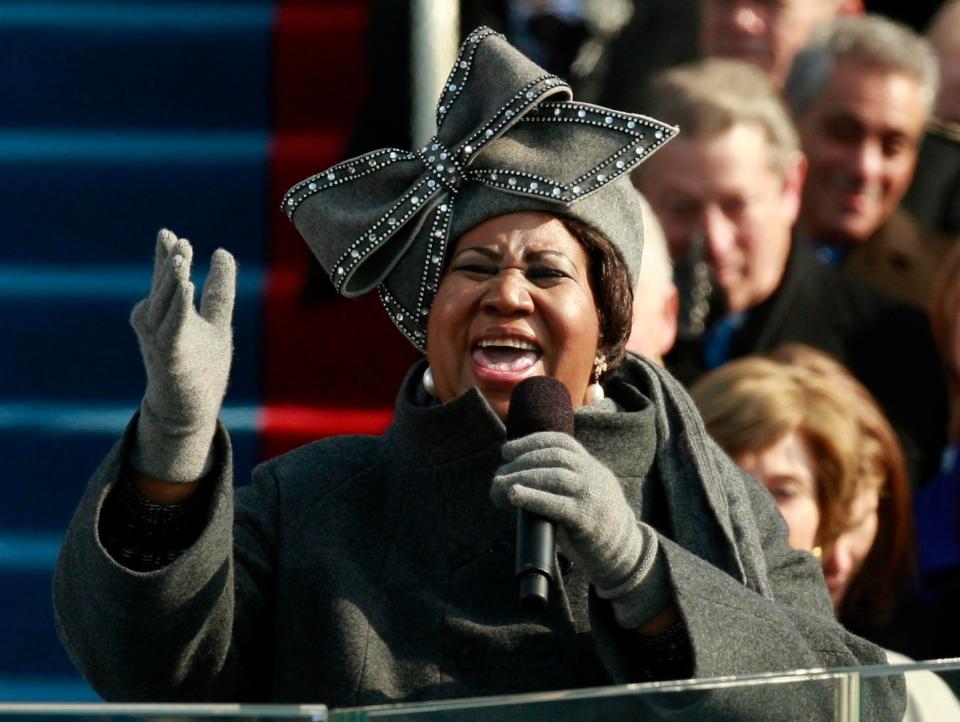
(786, 470)
(515, 302)
(844, 558)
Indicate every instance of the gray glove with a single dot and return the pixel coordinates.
(187, 357)
(551, 474)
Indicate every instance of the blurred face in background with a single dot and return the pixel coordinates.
(655, 308)
(844, 558)
(948, 101)
(766, 33)
(944, 34)
(786, 470)
(656, 301)
(724, 187)
(860, 136)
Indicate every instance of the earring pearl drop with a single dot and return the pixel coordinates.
(594, 393)
(428, 385)
(595, 390)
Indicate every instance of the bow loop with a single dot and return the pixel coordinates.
(359, 247)
(610, 144)
(490, 87)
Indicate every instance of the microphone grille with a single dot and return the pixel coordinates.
(540, 403)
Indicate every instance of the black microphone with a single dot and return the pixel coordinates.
(537, 404)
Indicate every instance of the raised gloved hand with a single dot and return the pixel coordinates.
(551, 474)
(187, 358)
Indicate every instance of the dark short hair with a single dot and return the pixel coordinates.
(612, 291)
(709, 97)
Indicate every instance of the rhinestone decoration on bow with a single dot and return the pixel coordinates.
(383, 219)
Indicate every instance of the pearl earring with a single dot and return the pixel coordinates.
(428, 385)
(595, 390)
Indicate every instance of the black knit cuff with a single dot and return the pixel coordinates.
(144, 536)
(666, 656)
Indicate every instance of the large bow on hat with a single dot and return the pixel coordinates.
(508, 138)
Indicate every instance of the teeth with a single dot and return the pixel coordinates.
(509, 342)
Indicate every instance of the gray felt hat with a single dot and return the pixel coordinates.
(508, 139)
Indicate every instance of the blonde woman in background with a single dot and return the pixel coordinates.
(813, 436)
(881, 501)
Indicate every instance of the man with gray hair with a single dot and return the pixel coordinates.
(732, 181)
(861, 92)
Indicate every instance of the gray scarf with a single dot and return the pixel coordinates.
(691, 467)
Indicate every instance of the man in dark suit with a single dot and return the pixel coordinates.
(861, 92)
(734, 178)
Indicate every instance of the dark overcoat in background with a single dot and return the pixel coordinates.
(886, 344)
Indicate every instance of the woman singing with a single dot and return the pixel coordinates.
(364, 570)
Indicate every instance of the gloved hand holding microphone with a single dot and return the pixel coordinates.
(552, 475)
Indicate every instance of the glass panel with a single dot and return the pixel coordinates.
(56, 712)
(843, 695)
(931, 687)
(811, 696)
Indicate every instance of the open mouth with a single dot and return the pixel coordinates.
(506, 355)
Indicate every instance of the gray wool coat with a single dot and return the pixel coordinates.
(366, 570)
